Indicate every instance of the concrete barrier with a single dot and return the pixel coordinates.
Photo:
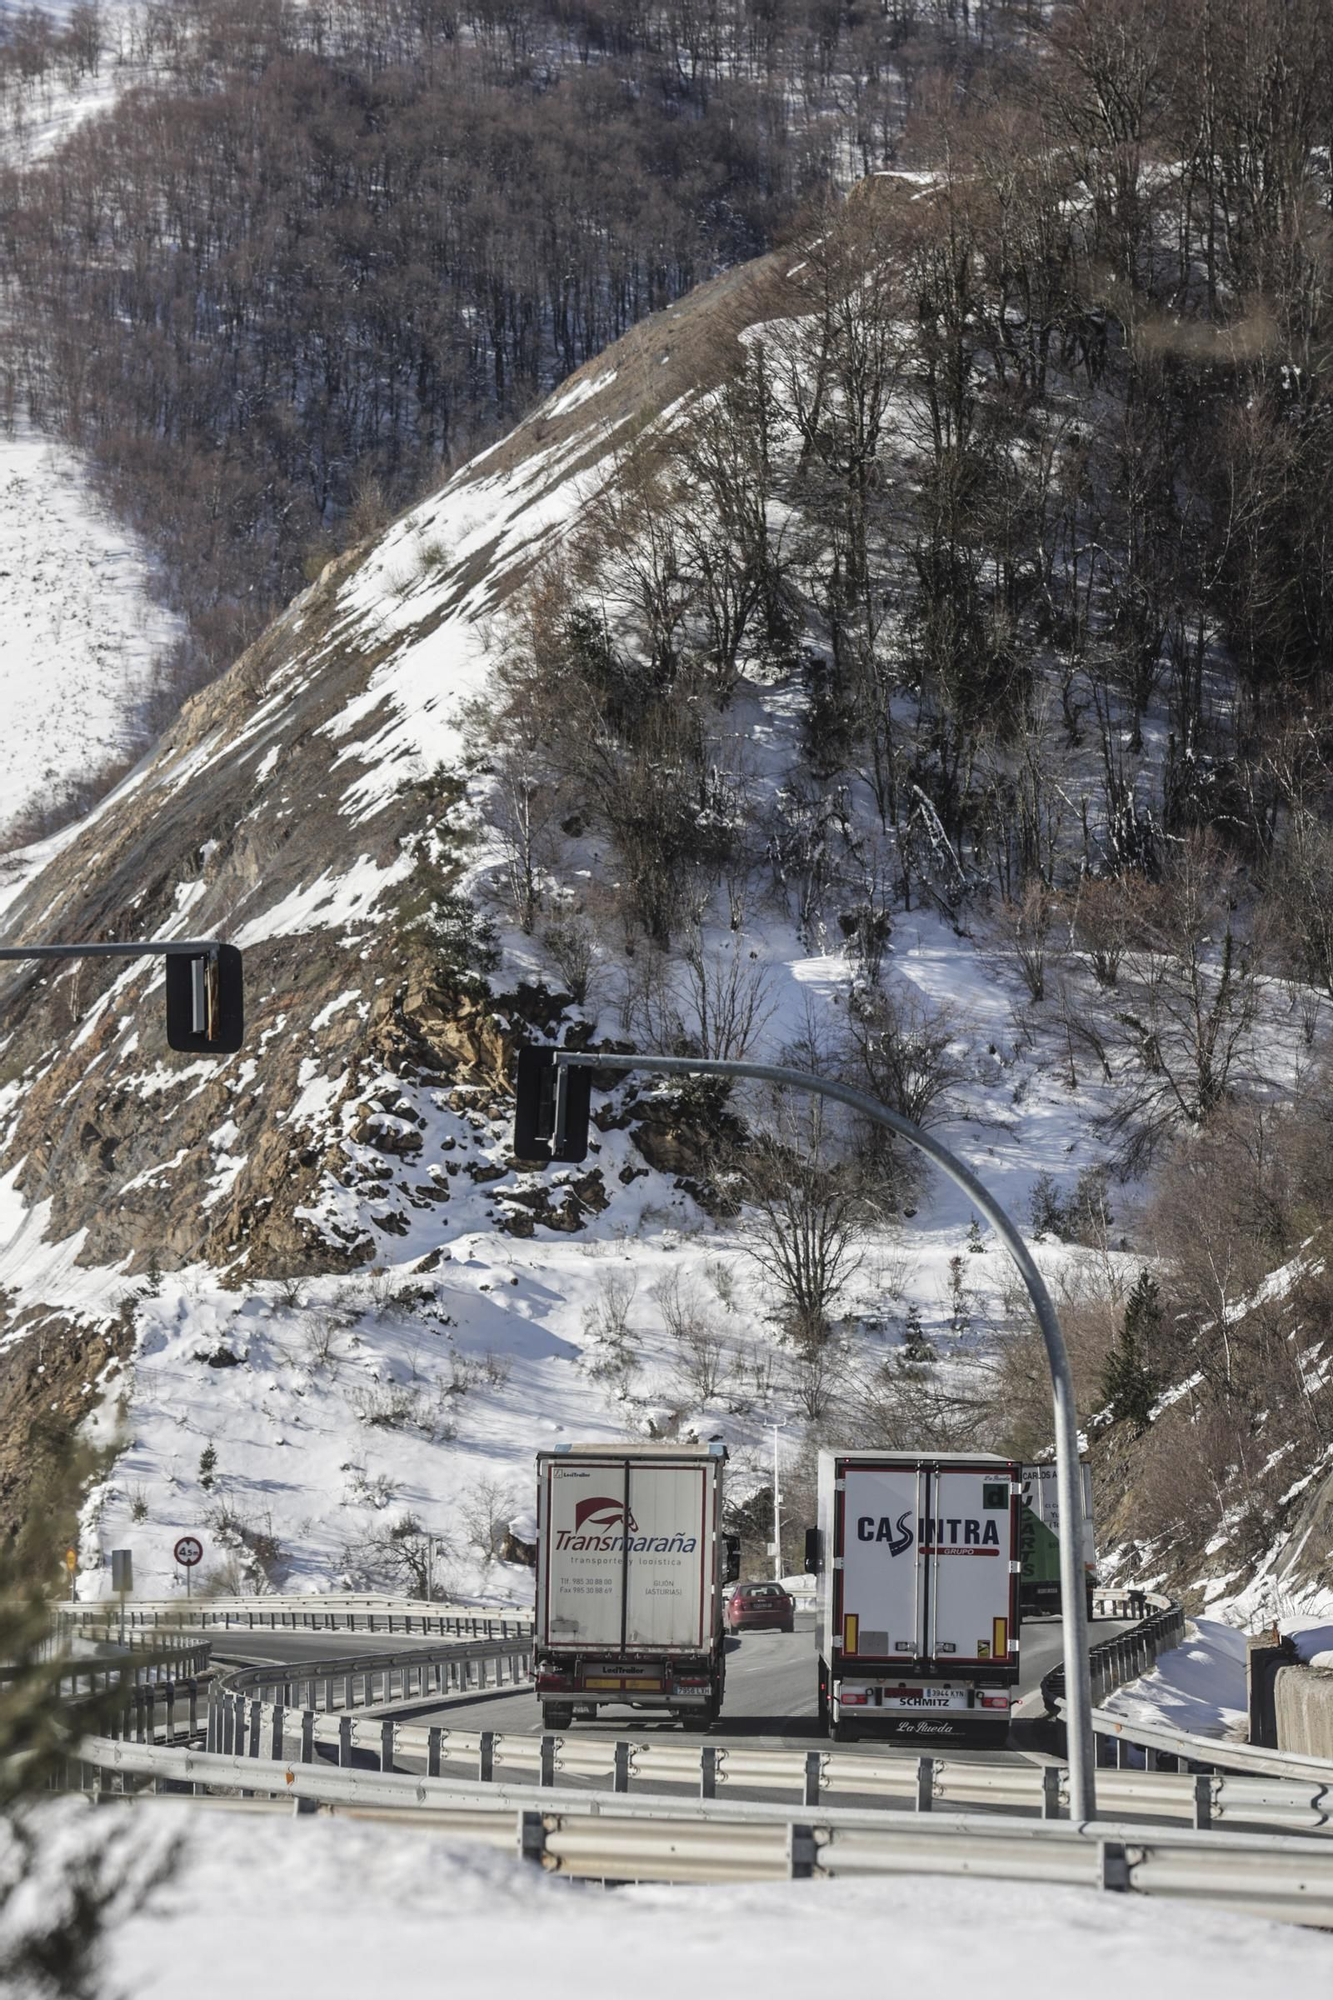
(1303, 1707)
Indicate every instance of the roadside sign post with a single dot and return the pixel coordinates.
(551, 1113)
(188, 1551)
(71, 1564)
(122, 1581)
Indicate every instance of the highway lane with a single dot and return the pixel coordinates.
(769, 1702)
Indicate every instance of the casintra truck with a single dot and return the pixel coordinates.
(916, 1625)
(631, 1560)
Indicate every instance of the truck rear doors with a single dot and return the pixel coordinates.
(926, 1566)
(628, 1554)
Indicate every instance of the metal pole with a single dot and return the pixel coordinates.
(777, 1514)
(1069, 1485)
(777, 1503)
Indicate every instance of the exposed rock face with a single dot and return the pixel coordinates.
(281, 812)
(284, 811)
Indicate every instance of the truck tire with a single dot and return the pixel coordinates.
(700, 1720)
(557, 1715)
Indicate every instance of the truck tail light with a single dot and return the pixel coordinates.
(547, 1679)
(995, 1701)
(854, 1698)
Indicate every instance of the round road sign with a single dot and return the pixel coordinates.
(189, 1551)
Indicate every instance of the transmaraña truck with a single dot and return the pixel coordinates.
(631, 1560)
(916, 1624)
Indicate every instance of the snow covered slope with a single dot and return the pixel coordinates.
(305, 1295)
(82, 633)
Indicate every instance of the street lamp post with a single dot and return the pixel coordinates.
(777, 1503)
(1078, 1681)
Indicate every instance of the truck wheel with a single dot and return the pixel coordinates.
(557, 1715)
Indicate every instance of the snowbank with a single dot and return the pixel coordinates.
(1198, 1686)
(283, 1906)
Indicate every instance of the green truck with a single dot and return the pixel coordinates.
(1039, 1541)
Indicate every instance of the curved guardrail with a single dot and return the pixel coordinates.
(362, 1680)
(305, 1614)
(608, 1837)
(1125, 1655)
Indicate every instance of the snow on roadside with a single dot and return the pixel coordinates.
(1198, 1686)
(353, 1909)
(82, 633)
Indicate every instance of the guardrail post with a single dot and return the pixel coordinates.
(708, 1771)
(307, 1735)
(925, 1783)
(386, 1745)
(620, 1773)
(1050, 1791)
(800, 1852)
(256, 1724)
(344, 1740)
(547, 1773)
(1203, 1801)
(279, 1721)
(433, 1751)
(1115, 1865)
(532, 1837)
(486, 1756)
(814, 1768)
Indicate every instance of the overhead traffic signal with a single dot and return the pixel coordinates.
(552, 1107)
(206, 1002)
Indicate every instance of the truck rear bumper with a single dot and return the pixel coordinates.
(920, 1710)
(684, 1686)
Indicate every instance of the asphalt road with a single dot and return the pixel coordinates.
(769, 1704)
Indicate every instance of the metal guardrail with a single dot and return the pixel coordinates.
(609, 1837)
(364, 1680)
(321, 1614)
(240, 1724)
(1125, 1655)
(1163, 1747)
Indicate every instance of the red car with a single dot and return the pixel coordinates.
(760, 1607)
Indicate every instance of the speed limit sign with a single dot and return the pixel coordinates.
(189, 1550)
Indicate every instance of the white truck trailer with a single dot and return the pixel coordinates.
(631, 1560)
(917, 1609)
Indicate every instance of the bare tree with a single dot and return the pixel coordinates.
(703, 1353)
(807, 1212)
(903, 1049)
(1191, 1015)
